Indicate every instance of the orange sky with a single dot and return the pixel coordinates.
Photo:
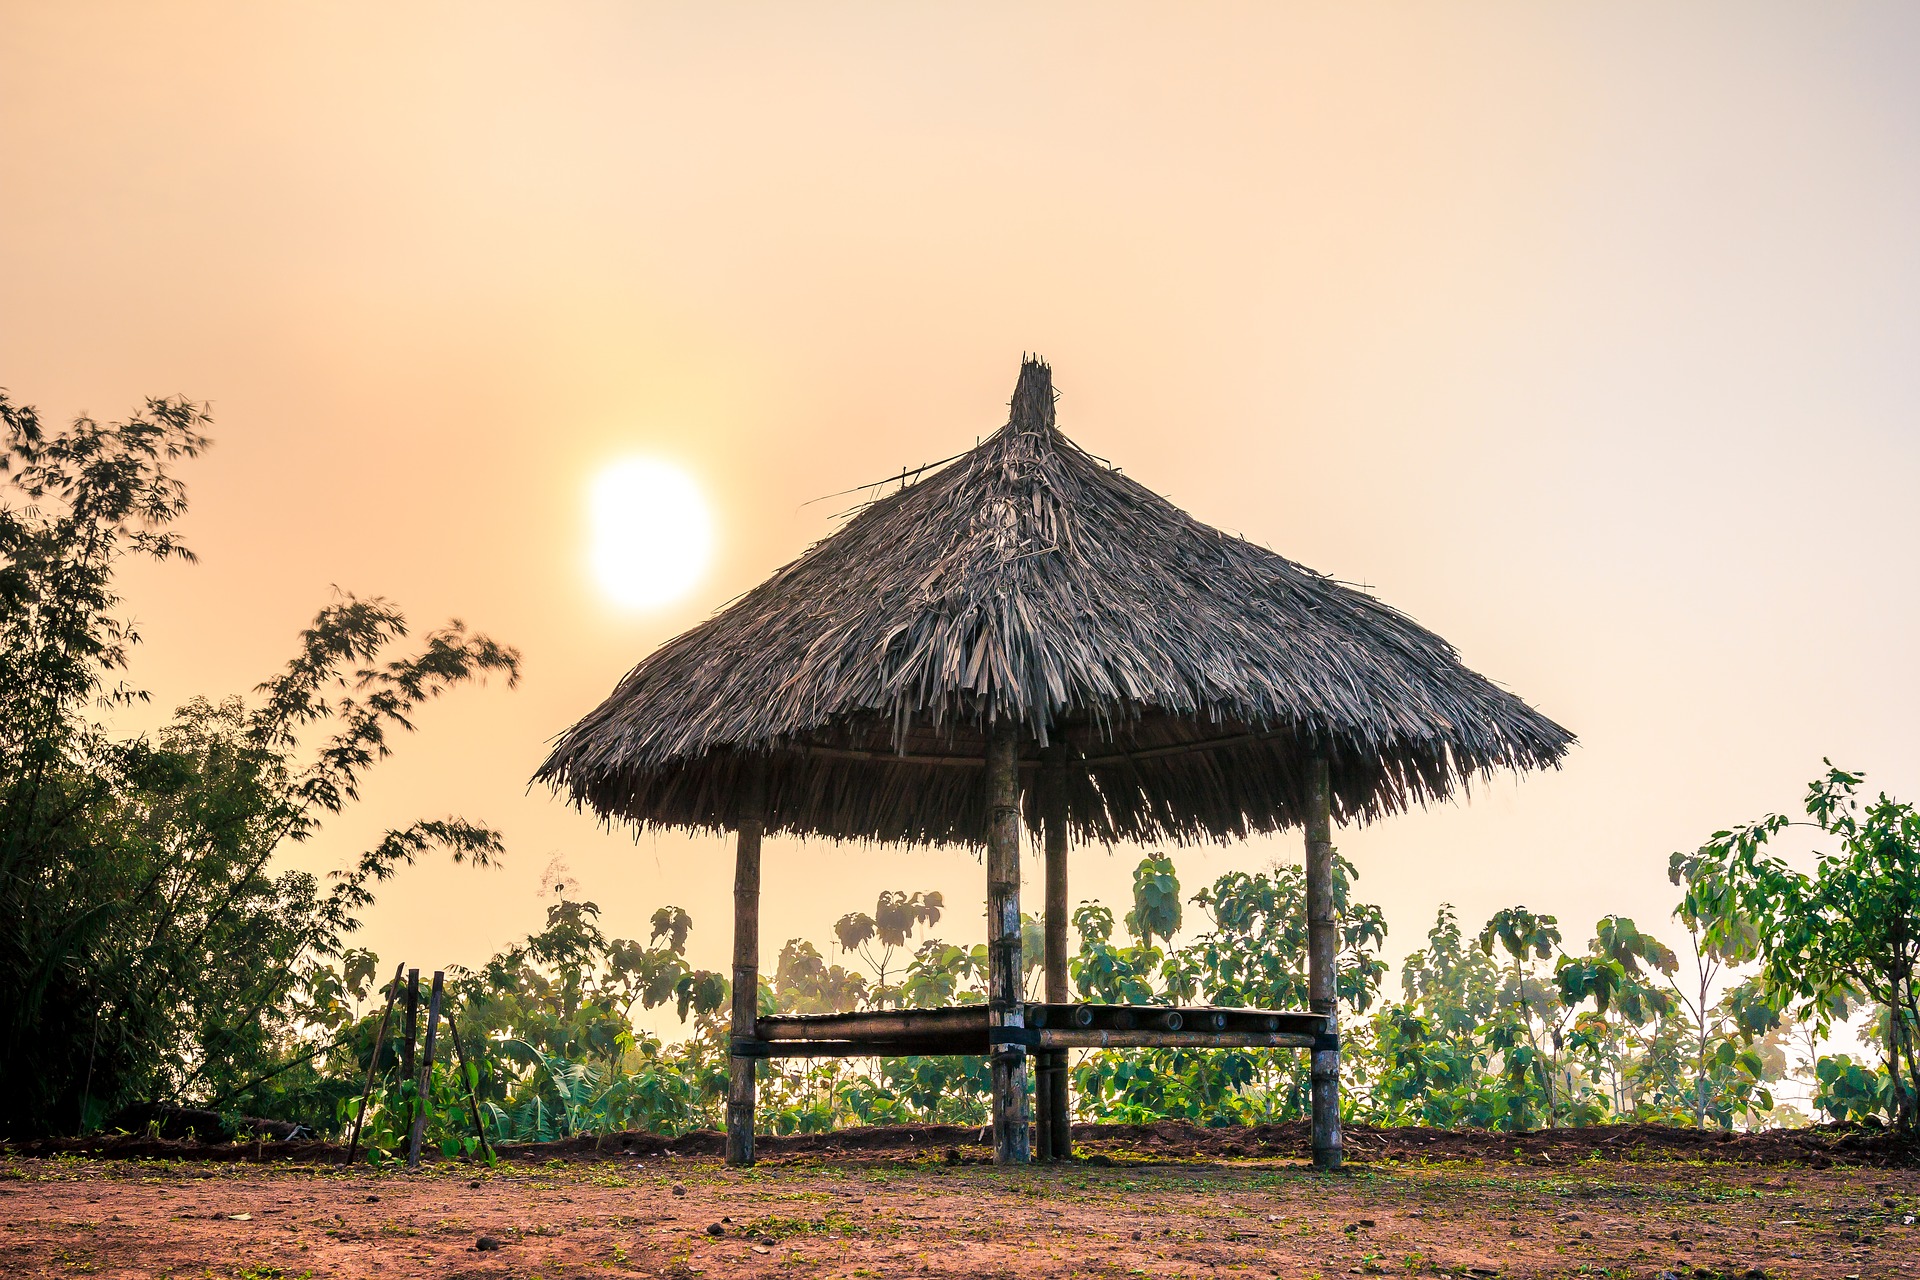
(1585, 334)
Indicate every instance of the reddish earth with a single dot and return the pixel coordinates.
(1160, 1201)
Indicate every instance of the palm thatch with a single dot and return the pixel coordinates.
(1192, 673)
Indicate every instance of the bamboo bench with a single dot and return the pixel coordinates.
(965, 1030)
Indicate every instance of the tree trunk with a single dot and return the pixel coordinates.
(746, 956)
(1911, 1018)
(1006, 1010)
(1700, 1062)
(1323, 956)
(1898, 1037)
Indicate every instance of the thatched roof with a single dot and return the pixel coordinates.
(1191, 671)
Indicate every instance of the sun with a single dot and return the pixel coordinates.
(652, 534)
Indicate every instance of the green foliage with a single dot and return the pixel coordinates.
(149, 948)
(1256, 952)
(389, 1121)
(1511, 1033)
(812, 1097)
(1850, 927)
(1851, 1091)
(1156, 900)
(878, 936)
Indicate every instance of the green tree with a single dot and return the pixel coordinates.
(1621, 974)
(877, 937)
(148, 947)
(1256, 952)
(549, 1023)
(1432, 1060)
(1528, 1062)
(1851, 925)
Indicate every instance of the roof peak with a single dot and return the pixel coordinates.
(1032, 407)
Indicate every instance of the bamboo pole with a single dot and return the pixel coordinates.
(1005, 1008)
(746, 958)
(423, 1083)
(972, 1044)
(1055, 1100)
(1323, 952)
(373, 1063)
(410, 1034)
(933, 1046)
(473, 1103)
(874, 1024)
(1156, 1038)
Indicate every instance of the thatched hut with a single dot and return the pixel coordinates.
(1028, 612)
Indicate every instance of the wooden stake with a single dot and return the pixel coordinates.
(1323, 955)
(409, 1034)
(746, 957)
(410, 1023)
(373, 1063)
(1055, 1099)
(424, 1081)
(1005, 1007)
(473, 1103)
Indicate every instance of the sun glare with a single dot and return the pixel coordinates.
(652, 535)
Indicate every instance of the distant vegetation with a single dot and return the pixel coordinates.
(1504, 1027)
(150, 950)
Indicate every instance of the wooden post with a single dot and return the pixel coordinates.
(746, 957)
(410, 1024)
(1323, 953)
(373, 1063)
(1006, 1010)
(423, 1083)
(410, 1034)
(1043, 1106)
(1055, 1099)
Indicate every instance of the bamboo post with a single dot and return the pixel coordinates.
(1323, 951)
(423, 1082)
(409, 1033)
(409, 1025)
(1006, 1011)
(746, 958)
(1055, 1099)
(473, 1103)
(373, 1063)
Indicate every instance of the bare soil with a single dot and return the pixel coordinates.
(1165, 1200)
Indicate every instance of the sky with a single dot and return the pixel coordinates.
(1583, 333)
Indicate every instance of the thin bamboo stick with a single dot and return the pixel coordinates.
(473, 1103)
(373, 1063)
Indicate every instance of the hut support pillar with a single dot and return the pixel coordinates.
(746, 959)
(1323, 952)
(1056, 1134)
(1006, 1007)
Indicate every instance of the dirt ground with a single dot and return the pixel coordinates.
(1149, 1202)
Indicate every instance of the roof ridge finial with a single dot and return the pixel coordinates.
(1033, 396)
